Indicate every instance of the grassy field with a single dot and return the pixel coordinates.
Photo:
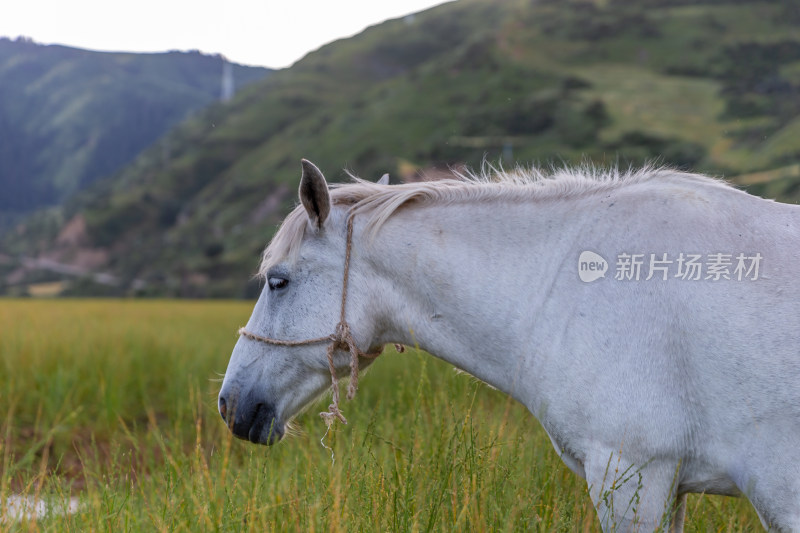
(113, 402)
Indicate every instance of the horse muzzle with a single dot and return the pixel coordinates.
(251, 420)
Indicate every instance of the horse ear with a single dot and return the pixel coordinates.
(314, 194)
(384, 180)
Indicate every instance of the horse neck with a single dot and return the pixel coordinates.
(464, 282)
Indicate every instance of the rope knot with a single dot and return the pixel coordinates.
(332, 414)
(342, 335)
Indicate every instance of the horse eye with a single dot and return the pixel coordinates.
(277, 283)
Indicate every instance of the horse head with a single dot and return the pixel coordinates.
(292, 348)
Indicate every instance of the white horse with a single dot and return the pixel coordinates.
(650, 320)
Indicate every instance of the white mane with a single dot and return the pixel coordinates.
(379, 202)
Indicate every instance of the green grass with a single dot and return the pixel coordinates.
(667, 105)
(114, 402)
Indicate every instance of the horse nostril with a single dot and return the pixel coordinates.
(223, 408)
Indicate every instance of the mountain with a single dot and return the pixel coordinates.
(710, 85)
(69, 117)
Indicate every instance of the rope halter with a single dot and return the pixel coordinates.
(340, 339)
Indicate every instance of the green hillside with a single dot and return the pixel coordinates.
(709, 85)
(69, 117)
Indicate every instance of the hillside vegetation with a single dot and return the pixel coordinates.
(69, 117)
(709, 85)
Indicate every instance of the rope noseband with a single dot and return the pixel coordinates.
(340, 339)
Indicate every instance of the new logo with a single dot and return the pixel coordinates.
(591, 266)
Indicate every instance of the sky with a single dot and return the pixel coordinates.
(267, 33)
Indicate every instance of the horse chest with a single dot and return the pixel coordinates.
(567, 456)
